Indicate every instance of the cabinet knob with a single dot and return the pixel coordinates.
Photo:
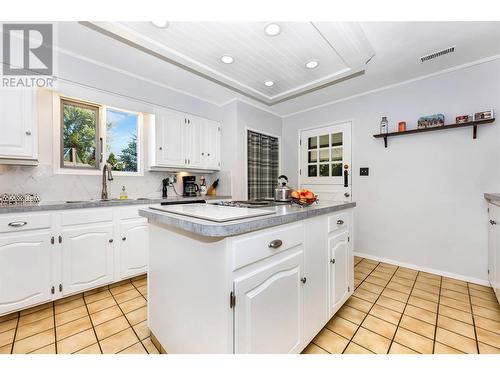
(340, 222)
(28, 132)
(275, 244)
(347, 195)
(492, 222)
(208, 154)
(202, 154)
(160, 148)
(304, 280)
(124, 238)
(332, 261)
(110, 240)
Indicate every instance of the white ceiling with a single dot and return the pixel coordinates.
(398, 47)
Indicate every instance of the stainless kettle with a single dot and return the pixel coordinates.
(282, 192)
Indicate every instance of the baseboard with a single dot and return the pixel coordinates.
(425, 269)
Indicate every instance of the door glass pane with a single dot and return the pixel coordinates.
(324, 155)
(324, 170)
(312, 170)
(336, 169)
(337, 139)
(313, 156)
(312, 143)
(337, 154)
(323, 140)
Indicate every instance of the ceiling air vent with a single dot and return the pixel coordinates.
(437, 54)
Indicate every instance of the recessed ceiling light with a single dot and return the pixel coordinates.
(160, 24)
(269, 83)
(311, 64)
(226, 59)
(272, 29)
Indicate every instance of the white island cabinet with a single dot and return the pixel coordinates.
(266, 284)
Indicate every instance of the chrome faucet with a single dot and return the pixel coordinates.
(106, 168)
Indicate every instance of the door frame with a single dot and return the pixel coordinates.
(280, 148)
(318, 126)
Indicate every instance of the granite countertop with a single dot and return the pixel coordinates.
(96, 203)
(282, 215)
(494, 198)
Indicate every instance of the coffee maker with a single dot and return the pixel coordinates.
(189, 186)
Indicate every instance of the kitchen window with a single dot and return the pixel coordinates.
(94, 134)
(263, 165)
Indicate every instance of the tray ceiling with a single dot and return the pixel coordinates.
(341, 50)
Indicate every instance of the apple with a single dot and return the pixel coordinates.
(309, 195)
(295, 194)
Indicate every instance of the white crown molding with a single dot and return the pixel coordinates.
(416, 79)
(255, 105)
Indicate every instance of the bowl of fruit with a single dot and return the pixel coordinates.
(303, 197)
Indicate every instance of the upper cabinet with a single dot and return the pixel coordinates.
(18, 126)
(182, 141)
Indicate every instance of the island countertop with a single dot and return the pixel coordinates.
(282, 214)
(493, 198)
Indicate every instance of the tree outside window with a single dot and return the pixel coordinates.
(121, 140)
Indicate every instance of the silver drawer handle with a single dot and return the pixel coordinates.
(275, 244)
(340, 222)
(17, 224)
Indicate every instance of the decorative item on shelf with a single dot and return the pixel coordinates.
(384, 125)
(5, 198)
(304, 197)
(28, 198)
(462, 119)
(430, 121)
(484, 115)
(19, 199)
(402, 126)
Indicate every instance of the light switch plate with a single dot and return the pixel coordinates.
(364, 171)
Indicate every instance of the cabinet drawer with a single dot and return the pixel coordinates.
(86, 216)
(131, 212)
(258, 246)
(338, 221)
(21, 222)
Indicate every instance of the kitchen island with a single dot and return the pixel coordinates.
(262, 284)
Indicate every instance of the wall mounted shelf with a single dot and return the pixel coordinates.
(474, 125)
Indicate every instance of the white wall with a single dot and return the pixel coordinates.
(423, 200)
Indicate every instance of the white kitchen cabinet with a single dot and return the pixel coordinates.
(338, 272)
(25, 270)
(134, 243)
(87, 257)
(494, 248)
(194, 138)
(211, 145)
(170, 135)
(18, 126)
(268, 313)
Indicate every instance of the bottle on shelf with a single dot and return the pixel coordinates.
(384, 125)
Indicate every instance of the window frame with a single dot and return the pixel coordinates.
(98, 154)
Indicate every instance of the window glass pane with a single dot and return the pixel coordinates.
(121, 140)
(79, 135)
(313, 142)
(336, 169)
(337, 139)
(324, 155)
(324, 170)
(313, 156)
(337, 154)
(312, 170)
(323, 140)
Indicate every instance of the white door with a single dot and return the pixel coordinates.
(87, 257)
(211, 142)
(134, 244)
(338, 272)
(325, 161)
(193, 142)
(25, 270)
(268, 312)
(18, 124)
(493, 218)
(170, 139)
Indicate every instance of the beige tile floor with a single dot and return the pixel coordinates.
(403, 311)
(110, 319)
(393, 310)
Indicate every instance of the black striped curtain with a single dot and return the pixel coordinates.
(263, 165)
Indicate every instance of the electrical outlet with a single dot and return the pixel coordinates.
(363, 171)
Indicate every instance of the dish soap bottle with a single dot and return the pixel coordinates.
(123, 193)
(384, 125)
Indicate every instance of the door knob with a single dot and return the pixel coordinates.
(332, 261)
(124, 238)
(493, 222)
(304, 280)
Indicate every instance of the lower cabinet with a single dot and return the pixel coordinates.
(494, 248)
(134, 244)
(338, 271)
(268, 314)
(25, 270)
(87, 257)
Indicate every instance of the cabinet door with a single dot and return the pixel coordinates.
(492, 243)
(338, 272)
(170, 139)
(211, 147)
(25, 270)
(134, 244)
(268, 311)
(87, 257)
(18, 124)
(194, 137)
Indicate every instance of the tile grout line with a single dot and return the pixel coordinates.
(55, 327)
(473, 320)
(15, 333)
(92, 323)
(437, 315)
